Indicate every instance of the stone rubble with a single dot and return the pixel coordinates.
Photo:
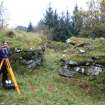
(29, 57)
(70, 68)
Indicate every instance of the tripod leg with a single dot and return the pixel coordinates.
(4, 74)
(1, 63)
(3, 71)
(10, 71)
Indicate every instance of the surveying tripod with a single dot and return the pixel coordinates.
(10, 71)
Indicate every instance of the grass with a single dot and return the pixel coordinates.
(23, 39)
(45, 87)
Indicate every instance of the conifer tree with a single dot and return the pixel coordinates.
(30, 27)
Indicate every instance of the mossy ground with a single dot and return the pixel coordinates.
(43, 86)
(23, 39)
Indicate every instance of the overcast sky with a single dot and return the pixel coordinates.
(21, 12)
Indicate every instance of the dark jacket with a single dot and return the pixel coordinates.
(4, 52)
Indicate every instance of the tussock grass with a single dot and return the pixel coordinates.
(23, 39)
(44, 86)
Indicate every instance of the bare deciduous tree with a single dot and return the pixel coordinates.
(3, 16)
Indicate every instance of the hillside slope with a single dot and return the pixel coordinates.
(43, 85)
(22, 39)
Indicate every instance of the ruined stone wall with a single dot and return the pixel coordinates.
(28, 57)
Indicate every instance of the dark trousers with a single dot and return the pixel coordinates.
(4, 73)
